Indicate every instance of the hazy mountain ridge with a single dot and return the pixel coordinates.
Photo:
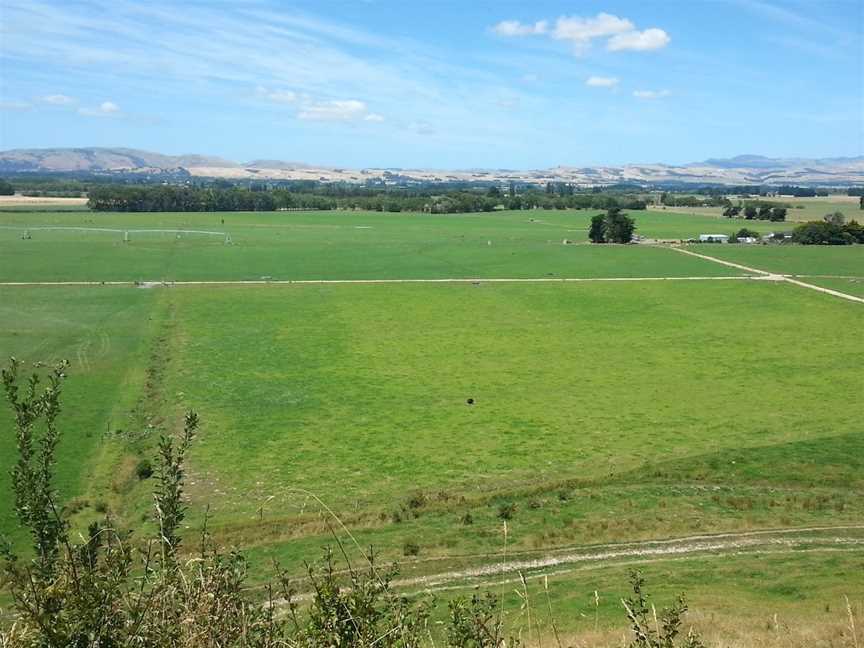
(742, 169)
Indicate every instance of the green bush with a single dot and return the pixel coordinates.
(144, 469)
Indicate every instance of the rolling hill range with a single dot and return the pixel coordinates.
(740, 170)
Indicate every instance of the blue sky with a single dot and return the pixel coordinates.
(437, 83)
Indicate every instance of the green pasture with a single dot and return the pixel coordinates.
(844, 260)
(339, 245)
(104, 334)
(851, 286)
(602, 411)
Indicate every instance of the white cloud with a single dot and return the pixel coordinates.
(279, 96)
(105, 109)
(515, 28)
(15, 105)
(650, 39)
(318, 110)
(336, 110)
(581, 31)
(601, 82)
(650, 94)
(620, 33)
(58, 100)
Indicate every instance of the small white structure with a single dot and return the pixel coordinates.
(713, 238)
(747, 239)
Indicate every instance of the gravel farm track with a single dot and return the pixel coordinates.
(504, 568)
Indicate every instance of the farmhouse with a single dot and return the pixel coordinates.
(713, 238)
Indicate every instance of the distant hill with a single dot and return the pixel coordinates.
(740, 170)
(100, 160)
(761, 162)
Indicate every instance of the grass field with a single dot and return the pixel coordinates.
(843, 260)
(338, 245)
(603, 412)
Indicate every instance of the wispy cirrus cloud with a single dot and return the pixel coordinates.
(344, 110)
(333, 110)
(651, 94)
(58, 100)
(11, 104)
(619, 33)
(602, 82)
(291, 58)
(104, 109)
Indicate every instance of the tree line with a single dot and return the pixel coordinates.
(198, 199)
(757, 211)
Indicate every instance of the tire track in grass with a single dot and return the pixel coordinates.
(580, 558)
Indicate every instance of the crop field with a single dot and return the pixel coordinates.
(683, 398)
(803, 209)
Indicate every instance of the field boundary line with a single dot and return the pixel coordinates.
(772, 276)
(287, 282)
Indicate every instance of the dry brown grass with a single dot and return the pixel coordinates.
(837, 631)
(26, 201)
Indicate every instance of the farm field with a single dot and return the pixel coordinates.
(337, 245)
(851, 286)
(603, 413)
(842, 260)
(803, 209)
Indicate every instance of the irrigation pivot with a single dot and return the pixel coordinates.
(127, 233)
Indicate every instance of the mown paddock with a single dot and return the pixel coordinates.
(336, 245)
(356, 370)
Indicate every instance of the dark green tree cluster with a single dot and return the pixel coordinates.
(6, 188)
(611, 227)
(830, 231)
(799, 192)
(746, 233)
(684, 200)
(757, 211)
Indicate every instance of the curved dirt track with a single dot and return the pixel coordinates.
(510, 568)
(602, 554)
(594, 556)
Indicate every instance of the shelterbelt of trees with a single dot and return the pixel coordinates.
(193, 199)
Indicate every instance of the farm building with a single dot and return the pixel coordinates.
(713, 238)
